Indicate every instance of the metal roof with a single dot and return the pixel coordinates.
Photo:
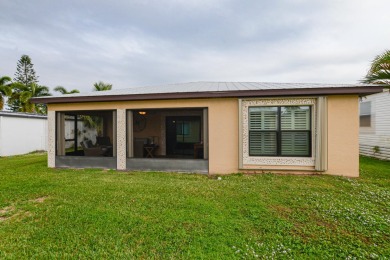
(211, 89)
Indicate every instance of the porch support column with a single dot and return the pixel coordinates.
(51, 142)
(130, 149)
(205, 134)
(121, 139)
(60, 132)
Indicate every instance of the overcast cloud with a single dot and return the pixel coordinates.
(143, 42)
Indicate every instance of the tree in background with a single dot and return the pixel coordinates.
(379, 72)
(96, 122)
(25, 72)
(101, 86)
(5, 89)
(24, 75)
(64, 91)
(23, 93)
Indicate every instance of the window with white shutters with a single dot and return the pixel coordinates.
(280, 131)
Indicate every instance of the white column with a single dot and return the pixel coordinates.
(51, 142)
(121, 139)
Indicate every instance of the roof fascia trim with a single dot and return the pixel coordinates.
(215, 94)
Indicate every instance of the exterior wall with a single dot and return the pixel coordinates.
(377, 137)
(223, 130)
(343, 136)
(223, 136)
(20, 135)
(223, 124)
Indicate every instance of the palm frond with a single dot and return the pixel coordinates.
(381, 61)
(5, 80)
(1, 102)
(61, 89)
(5, 90)
(101, 86)
(25, 96)
(64, 91)
(379, 72)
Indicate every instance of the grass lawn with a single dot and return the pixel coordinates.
(53, 213)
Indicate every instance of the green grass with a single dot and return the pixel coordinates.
(57, 213)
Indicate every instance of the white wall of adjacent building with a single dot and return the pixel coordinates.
(374, 135)
(20, 134)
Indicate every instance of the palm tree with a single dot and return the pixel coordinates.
(5, 89)
(379, 72)
(101, 86)
(24, 93)
(64, 91)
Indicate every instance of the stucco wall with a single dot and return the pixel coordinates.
(343, 135)
(223, 124)
(223, 136)
(343, 156)
(20, 135)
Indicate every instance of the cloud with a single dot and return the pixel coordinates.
(135, 43)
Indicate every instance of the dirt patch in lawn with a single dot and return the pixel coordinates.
(11, 213)
(6, 210)
(6, 213)
(282, 210)
(40, 199)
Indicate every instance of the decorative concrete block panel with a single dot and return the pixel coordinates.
(51, 149)
(121, 139)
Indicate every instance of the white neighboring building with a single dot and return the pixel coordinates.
(374, 134)
(22, 133)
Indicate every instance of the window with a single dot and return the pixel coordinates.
(365, 114)
(280, 131)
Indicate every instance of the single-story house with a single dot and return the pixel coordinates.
(22, 133)
(374, 131)
(214, 128)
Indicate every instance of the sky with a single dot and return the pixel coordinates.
(131, 43)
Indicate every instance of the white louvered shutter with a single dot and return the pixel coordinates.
(295, 136)
(263, 123)
(295, 118)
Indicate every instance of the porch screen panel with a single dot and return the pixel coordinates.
(263, 126)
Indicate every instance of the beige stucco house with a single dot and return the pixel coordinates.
(212, 127)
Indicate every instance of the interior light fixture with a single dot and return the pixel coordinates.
(142, 112)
